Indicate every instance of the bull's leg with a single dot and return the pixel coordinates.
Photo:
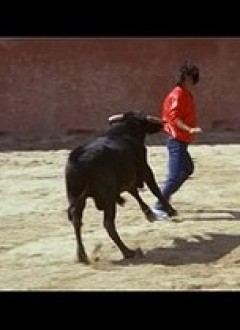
(76, 216)
(144, 207)
(152, 185)
(109, 224)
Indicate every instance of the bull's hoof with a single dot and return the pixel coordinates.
(138, 253)
(83, 260)
(134, 254)
(150, 216)
(172, 213)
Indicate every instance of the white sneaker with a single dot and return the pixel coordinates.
(159, 214)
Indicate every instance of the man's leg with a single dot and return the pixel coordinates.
(179, 166)
(187, 170)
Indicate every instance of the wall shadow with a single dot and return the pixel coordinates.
(73, 139)
(69, 141)
(198, 250)
(210, 138)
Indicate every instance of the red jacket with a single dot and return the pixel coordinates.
(179, 104)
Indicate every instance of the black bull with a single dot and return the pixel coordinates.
(102, 169)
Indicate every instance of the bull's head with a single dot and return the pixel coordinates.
(149, 123)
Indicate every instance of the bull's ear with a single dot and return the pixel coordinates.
(153, 119)
(115, 118)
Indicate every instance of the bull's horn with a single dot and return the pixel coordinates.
(153, 119)
(115, 118)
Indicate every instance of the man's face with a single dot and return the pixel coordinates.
(189, 83)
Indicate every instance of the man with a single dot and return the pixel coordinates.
(180, 124)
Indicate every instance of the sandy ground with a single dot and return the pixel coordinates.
(198, 250)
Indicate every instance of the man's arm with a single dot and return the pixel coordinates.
(180, 124)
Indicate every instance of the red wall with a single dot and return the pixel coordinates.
(55, 86)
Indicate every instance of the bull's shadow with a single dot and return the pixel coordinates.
(183, 252)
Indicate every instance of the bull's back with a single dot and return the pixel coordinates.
(102, 152)
(102, 162)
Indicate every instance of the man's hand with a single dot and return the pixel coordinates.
(194, 130)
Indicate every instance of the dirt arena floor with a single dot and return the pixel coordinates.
(198, 250)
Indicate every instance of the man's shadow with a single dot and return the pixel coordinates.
(195, 251)
(211, 215)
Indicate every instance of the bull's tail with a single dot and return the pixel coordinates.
(121, 201)
(76, 202)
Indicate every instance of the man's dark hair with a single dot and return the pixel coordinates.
(188, 70)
